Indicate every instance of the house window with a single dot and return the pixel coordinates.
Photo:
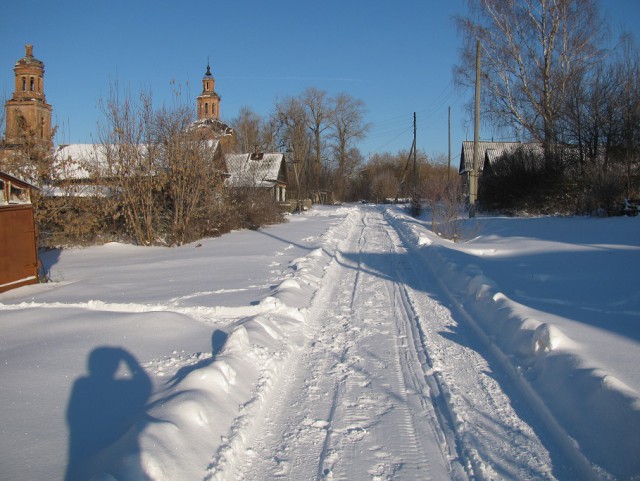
(3, 197)
(206, 109)
(18, 195)
(31, 84)
(24, 84)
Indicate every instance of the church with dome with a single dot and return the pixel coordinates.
(29, 133)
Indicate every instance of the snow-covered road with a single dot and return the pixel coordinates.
(351, 343)
(389, 386)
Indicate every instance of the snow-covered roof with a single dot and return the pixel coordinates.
(217, 127)
(491, 149)
(255, 170)
(81, 161)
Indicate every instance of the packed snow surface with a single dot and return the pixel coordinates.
(349, 343)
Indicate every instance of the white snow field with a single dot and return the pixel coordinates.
(349, 343)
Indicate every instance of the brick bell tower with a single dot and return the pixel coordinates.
(28, 115)
(209, 100)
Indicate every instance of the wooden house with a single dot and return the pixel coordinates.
(489, 152)
(18, 248)
(89, 169)
(258, 171)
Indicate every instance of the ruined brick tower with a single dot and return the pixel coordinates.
(28, 115)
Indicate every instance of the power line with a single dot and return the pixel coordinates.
(392, 140)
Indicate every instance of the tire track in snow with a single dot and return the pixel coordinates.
(492, 439)
(350, 410)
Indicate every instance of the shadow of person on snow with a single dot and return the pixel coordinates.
(218, 338)
(103, 406)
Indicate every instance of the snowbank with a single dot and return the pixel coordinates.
(211, 406)
(192, 417)
(593, 414)
(216, 327)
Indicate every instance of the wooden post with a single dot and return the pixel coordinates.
(473, 184)
(449, 135)
(415, 183)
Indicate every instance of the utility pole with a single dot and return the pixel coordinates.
(449, 130)
(473, 184)
(415, 198)
(415, 175)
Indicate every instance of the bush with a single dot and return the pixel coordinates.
(603, 191)
(68, 221)
(525, 181)
(256, 208)
(74, 221)
(446, 211)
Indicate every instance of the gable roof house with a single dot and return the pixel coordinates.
(77, 169)
(259, 171)
(88, 169)
(488, 153)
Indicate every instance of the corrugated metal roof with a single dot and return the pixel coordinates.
(496, 150)
(491, 151)
(254, 170)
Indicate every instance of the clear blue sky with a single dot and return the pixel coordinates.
(395, 56)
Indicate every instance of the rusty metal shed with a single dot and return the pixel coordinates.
(18, 250)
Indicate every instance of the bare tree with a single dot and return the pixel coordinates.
(347, 126)
(602, 118)
(628, 69)
(532, 51)
(250, 131)
(442, 190)
(133, 166)
(589, 120)
(166, 171)
(190, 168)
(384, 185)
(319, 112)
(291, 120)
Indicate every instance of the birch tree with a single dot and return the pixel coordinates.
(532, 50)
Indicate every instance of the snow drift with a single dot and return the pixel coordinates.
(579, 398)
(214, 329)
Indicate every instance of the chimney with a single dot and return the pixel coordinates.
(28, 50)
